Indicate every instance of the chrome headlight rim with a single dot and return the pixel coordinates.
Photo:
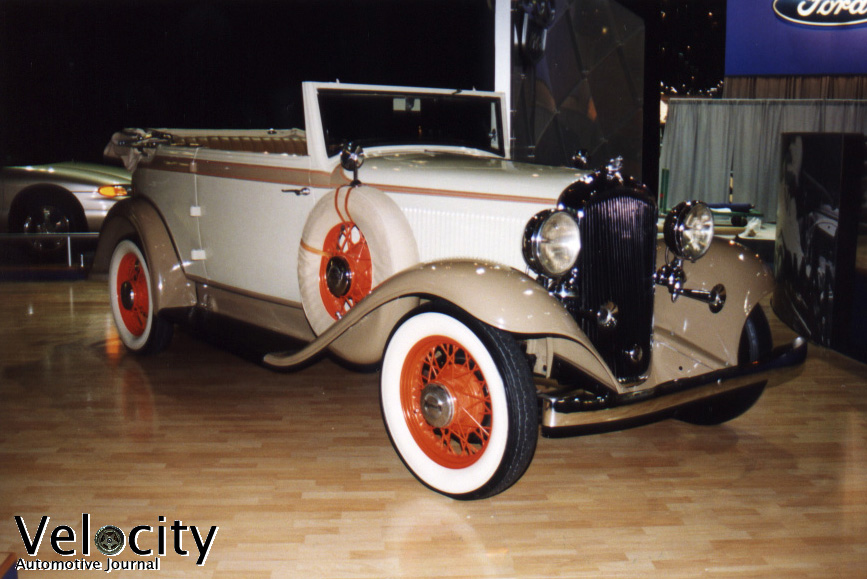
(552, 243)
(689, 230)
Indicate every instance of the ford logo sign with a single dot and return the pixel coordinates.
(822, 12)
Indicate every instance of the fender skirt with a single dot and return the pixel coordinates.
(497, 295)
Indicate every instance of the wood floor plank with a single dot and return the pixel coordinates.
(298, 473)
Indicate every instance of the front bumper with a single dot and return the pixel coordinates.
(561, 416)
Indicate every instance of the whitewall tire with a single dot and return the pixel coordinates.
(129, 286)
(458, 403)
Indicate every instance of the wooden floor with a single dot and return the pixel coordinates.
(298, 473)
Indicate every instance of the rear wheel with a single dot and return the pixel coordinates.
(129, 286)
(458, 403)
(755, 343)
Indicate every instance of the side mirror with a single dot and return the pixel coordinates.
(351, 159)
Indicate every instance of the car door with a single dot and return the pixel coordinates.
(253, 209)
(169, 181)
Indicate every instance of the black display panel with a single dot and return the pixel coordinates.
(578, 82)
(820, 256)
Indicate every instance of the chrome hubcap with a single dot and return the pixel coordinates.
(338, 276)
(127, 295)
(437, 405)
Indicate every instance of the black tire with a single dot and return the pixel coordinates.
(459, 403)
(48, 212)
(755, 343)
(129, 286)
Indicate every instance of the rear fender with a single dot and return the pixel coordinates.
(139, 220)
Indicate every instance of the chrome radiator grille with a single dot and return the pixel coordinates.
(616, 265)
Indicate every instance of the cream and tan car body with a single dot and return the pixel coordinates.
(220, 216)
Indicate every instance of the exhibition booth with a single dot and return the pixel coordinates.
(788, 139)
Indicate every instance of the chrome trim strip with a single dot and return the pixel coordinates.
(208, 284)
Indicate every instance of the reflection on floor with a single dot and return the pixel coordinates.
(298, 474)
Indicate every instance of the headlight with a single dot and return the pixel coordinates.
(113, 191)
(688, 230)
(552, 242)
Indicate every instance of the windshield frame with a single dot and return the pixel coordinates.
(373, 117)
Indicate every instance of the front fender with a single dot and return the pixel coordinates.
(138, 219)
(497, 295)
(689, 326)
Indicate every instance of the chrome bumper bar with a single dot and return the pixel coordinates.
(558, 419)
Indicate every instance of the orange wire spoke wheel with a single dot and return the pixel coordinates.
(446, 402)
(346, 273)
(133, 294)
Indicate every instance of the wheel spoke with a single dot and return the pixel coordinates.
(355, 254)
(448, 365)
(462, 437)
(478, 425)
(141, 313)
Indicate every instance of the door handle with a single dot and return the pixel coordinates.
(299, 192)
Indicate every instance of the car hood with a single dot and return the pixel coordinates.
(81, 173)
(475, 174)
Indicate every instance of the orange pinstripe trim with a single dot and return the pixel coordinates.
(243, 171)
(462, 194)
(173, 164)
(285, 175)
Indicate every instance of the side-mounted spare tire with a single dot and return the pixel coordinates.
(354, 239)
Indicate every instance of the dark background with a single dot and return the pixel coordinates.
(73, 72)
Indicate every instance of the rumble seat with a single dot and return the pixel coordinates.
(292, 142)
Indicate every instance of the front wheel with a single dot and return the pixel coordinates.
(459, 404)
(129, 287)
(755, 343)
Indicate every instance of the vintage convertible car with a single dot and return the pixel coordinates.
(497, 296)
(59, 198)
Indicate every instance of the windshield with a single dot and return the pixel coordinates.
(388, 118)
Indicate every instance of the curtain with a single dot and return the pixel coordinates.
(795, 87)
(702, 163)
(711, 148)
